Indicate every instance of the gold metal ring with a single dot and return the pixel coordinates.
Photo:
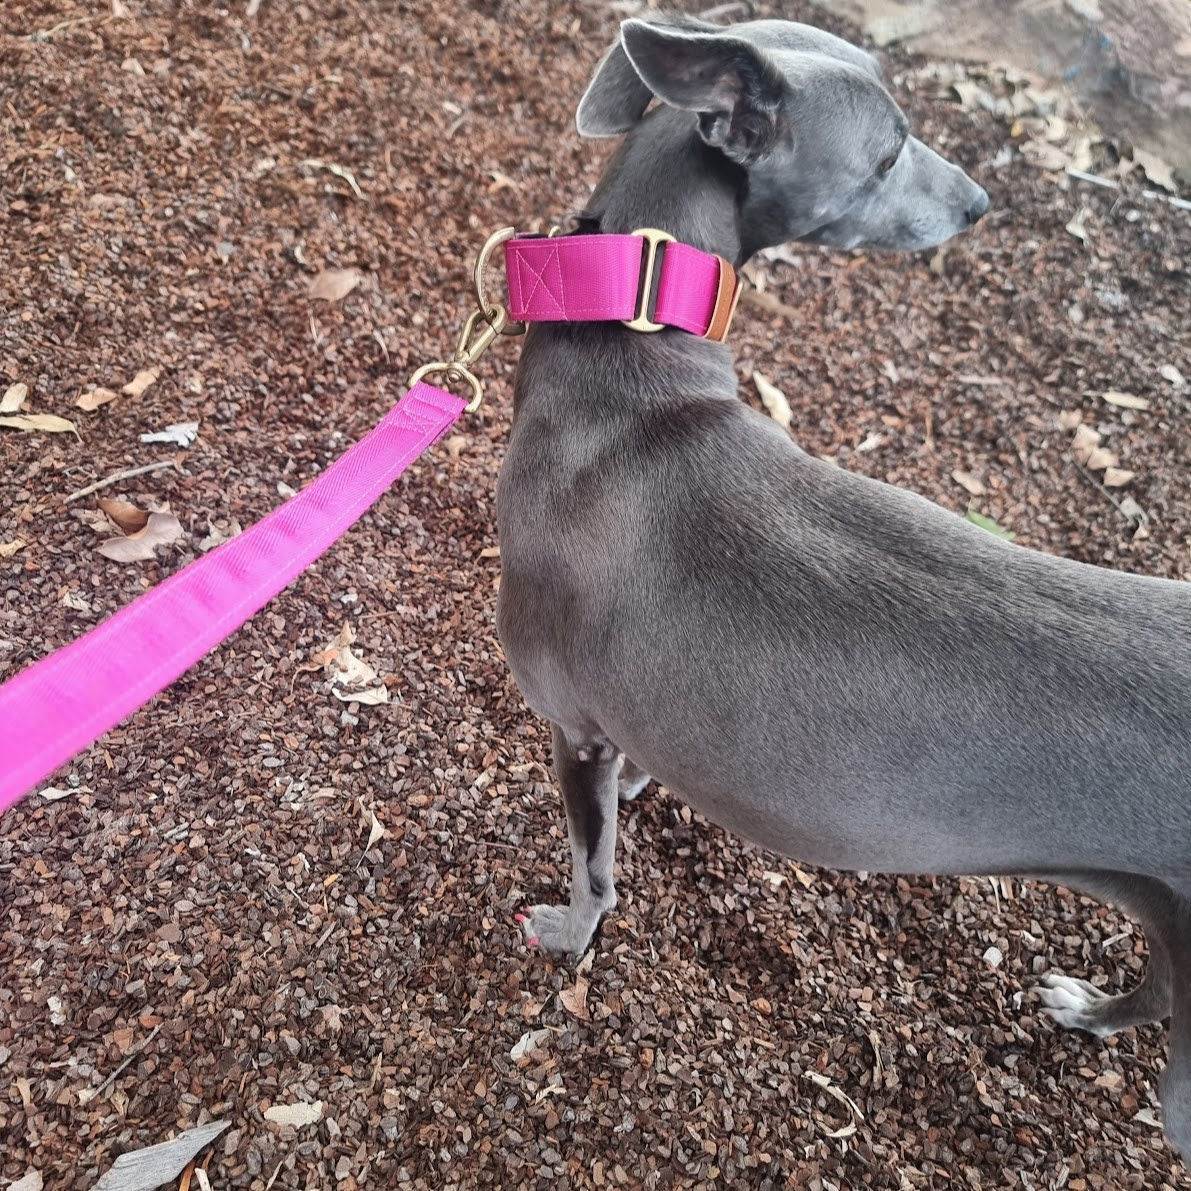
(452, 371)
(490, 245)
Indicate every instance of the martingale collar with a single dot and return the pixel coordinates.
(647, 280)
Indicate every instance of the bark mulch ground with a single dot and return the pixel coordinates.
(202, 904)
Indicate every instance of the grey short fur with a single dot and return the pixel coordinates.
(833, 667)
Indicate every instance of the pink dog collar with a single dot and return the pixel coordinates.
(647, 280)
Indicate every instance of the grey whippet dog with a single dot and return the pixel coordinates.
(835, 668)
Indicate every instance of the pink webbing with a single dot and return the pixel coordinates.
(687, 288)
(63, 703)
(597, 278)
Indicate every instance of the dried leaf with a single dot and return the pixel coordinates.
(339, 171)
(128, 518)
(989, 525)
(161, 529)
(1116, 477)
(1157, 169)
(1085, 441)
(94, 398)
(1076, 225)
(804, 879)
(574, 1000)
(181, 434)
(1045, 156)
(830, 1088)
(375, 831)
(1125, 400)
(141, 1170)
(32, 423)
(56, 793)
(295, 1115)
(968, 482)
(217, 534)
(530, 1041)
(773, 399)
(8, 549)
(13, 399)
(333, 285)
(1100, 458)
(141, 381)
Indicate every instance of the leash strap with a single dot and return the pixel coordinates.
(65, 702)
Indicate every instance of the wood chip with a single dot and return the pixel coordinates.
(142, 1170)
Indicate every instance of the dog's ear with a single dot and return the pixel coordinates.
(734, 87)
(614, 99)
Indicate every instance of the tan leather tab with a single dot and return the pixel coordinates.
(727, 295)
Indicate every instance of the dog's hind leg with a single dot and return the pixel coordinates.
(587, 771)
(631, 782)
(1078, 1005)
(1176, 1079)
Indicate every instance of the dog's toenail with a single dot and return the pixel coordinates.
(519, 918)
(532, 942)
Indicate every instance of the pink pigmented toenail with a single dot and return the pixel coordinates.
(532, 942)
(519, 918)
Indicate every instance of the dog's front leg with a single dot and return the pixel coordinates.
(587, 772)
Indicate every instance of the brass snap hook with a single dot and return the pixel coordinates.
(493, 242)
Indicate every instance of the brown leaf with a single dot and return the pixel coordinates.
(128, 518)
(13, 399)
(969, 482)
(141, 381)
(333, 285)
(94, 398)
(8, 549)
(574, 1000)
(32, 423)
(162, 529)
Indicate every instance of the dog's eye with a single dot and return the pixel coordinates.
(888, 163)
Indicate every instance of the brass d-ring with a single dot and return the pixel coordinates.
(493, 242)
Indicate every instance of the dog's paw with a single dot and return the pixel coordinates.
(628, 788)
(1075, 1004)
(556, 929)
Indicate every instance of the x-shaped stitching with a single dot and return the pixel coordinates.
(540, 277)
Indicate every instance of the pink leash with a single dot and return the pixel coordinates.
(65, 702)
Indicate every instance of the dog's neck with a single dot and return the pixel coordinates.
(665, 176)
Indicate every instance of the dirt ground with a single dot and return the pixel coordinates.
(202, 903)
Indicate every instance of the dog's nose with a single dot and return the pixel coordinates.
(978, 208)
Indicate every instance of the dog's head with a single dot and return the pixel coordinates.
(827, 152)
